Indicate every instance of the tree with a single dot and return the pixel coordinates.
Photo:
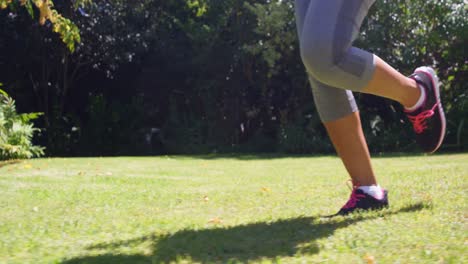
(213, 75)
(68, 31)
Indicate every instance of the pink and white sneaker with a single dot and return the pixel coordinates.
(428, 119)
(359, 200)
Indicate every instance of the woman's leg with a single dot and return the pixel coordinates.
(350, 144)
(388, 82)
(327, 30)
(339, 113)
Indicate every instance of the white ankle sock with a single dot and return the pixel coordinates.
(420, 100)
(374, 190)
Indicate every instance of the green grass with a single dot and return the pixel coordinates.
(262, 209)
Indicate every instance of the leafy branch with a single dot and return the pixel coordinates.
(68, 31)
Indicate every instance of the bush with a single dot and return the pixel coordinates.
(114, 127)
(16, 131)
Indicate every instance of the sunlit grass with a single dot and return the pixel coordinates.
(229, 209)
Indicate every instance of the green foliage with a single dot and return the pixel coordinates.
(68, 31)
(217, 75)
(199, 7)
(183, 134)
(302, 136)
(275, 34)
(111, 128)
(16, 131)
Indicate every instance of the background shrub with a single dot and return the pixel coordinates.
(16, 131)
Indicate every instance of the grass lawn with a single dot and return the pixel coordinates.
(261, 209)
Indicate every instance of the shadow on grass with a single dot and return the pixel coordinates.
(263, 240)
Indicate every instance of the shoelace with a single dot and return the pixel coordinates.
(419, 121)
(354, 198)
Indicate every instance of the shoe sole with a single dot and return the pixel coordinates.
(428, 71)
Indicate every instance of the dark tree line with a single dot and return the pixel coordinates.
(152, 77)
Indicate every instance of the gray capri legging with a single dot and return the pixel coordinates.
(327, 29)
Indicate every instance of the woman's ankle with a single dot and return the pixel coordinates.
(413, 96)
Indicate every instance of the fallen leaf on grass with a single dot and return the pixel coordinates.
(215, 221)
(266, 189)
(27, 166)
(369, 259)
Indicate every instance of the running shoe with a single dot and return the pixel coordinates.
(429, 119)
(362, 201)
